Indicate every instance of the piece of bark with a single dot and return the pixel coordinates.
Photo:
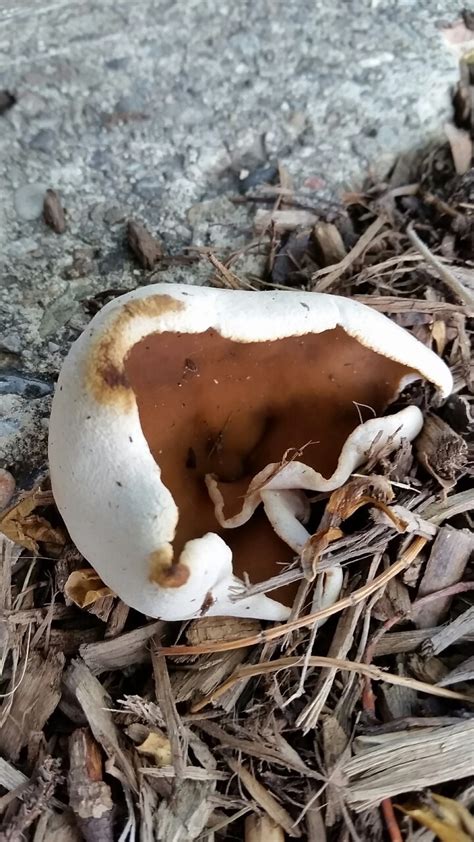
(265, 799)
(263, 829)
(7, 101)
(146, 248)
(89, 796)
(69, 641)
(208, 629)
(448, 559)
(330, 248)
(96, 704)
(102, 607)
(53, 212)
(34, 701)
(35, 800)
(441, 451)
(125, 650)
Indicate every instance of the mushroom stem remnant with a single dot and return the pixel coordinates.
(190, 425)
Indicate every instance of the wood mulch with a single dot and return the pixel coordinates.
(115, 727)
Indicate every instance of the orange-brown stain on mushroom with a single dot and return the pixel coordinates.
(208, 404)
(106, 378)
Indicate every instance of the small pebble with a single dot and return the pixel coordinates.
(7, 488)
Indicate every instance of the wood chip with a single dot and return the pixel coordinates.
(455, 545)
(10, 777)
(461, 147)
(461, 627)
(389, 764)
(34, 701)
(182, 818)
(165, 699)
(96, 704)
(125, 650)
(330, 246)
(463, 672)
(89, 796)
(145, 247)
(265, 800)
(53, 212)
(407, 641)
(283, 220)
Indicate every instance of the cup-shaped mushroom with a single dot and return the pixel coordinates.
(190, 425)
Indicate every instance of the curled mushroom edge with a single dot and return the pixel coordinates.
(170, 426)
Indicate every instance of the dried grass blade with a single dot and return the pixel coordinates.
(371, 672)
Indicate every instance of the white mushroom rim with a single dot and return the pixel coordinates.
(189, 422)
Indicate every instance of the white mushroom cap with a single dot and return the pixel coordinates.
(107, 484)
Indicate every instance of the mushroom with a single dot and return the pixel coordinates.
(188, 424)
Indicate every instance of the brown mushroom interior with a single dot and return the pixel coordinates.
(208, 404)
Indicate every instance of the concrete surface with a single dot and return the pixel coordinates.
(156, 108)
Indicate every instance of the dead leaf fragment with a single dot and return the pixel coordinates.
(84, 587)
(362, 491)
(27, 529)
(157, 746)
(449, 819)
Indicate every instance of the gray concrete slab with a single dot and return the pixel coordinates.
(156, 108)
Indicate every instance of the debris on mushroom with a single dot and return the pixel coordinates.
(190, 425)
